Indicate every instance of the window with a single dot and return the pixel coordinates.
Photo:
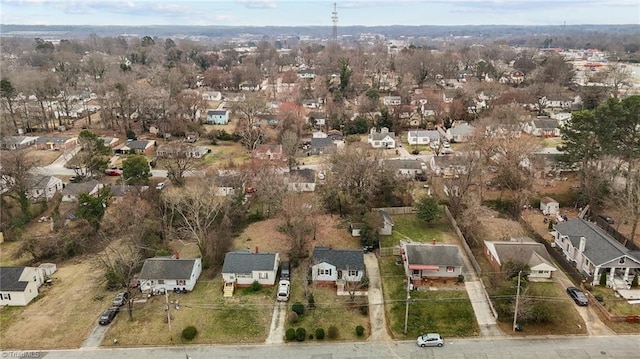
(353, 273)
(621, 260)
(6, 296)
(181, 282)
(263, 275)
(160, 281)
(416, 272)
(451, 269)
(324, 271)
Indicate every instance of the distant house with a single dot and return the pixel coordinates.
(520, 251)
(173, 151)
(244, 268)
(270, 153)
(448, 96)
(392, 100)
(461, 133)
(135, 147)
(217, 117)
(322, 146)
(558, 101)
(317, 119)
(542, 127)
(212, 96)
(45, 187)
(307, 74)
(382, 138)
(423, 262)
(56, 143)
(303, 180)
(387, 223)
(72, 191)
(423, 137)
(448, 166)
(332, 265)
(550, 206)
(249, 87)
(310, 103)
(16, 142)
(119, 191)
(19, 285)
(168, 273)
(110, 142)
(406, 168)
(191, 137)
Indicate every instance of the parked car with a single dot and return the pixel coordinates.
(285, 270)
(578, 296)
(606, 218)
(430, 340)
(109, 315)
(120, 299)
(284, 286)
(113, 171)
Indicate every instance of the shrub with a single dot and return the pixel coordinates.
(460, 278)
(290, 334)
(298, 308)
(359, 330)
(189, 332)
(301, 334)
(311, 300)
(603, 279)
(333, 332)
(293, 317)
(634, 281)
(599, 297)
(255, 286)
(319, 333)
(364, 309)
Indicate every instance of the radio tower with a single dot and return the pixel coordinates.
(334, 20)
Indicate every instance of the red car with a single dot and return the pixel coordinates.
(113, 172)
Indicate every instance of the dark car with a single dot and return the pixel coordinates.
(578, 296)
(120, 299)
(285, 271)
(109, 315)
(606, 218)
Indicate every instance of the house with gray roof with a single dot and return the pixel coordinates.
(243, 268)
(160, 274)
(72, 191)
(542, 127)
(302, 180)
(45, 187)
(387, 223)
(461, 133)
(590, 249)
(409, 168)
(19, 285)
(56, 143)
(430, 261)
(521, 251)
(382, 138)
(217, 117)
(16, 142)
(332, 265)
(322, 146)
(423, 137)
(136, 147)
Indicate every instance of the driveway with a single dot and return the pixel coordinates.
(276, 331)
(96, 336)
(376, 301)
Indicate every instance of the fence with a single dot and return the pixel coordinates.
(389, 251)
(463, 240)
(397, 210)
(613, 232)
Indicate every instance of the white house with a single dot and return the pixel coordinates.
(169, 273)
(332, 265)
(45, 187)
(244, 268)
(409, 168)
(387, 223)
(307, 74)
(302, 180)
(382, 139)
(72, 191)
(431, 261)
(19, 285)
(212, 96)
(461, 133)
(423, 137)
(392, 100)
(16, 142)
(249, 87)
(542, 127)
(550, 206)
(522, 251)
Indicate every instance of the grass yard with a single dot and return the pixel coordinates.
(226, 152)
(448, 312)
(615, 305)
(330, 310)
(43, 157)
(244, 318)
(408, 226)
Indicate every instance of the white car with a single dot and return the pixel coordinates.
(284, 286)
(430, 340)
(446, 145)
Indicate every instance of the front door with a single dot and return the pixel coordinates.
(339, 274)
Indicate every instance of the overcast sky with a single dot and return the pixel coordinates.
(318, 12)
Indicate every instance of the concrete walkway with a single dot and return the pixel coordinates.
(377, 317)
(276, 331)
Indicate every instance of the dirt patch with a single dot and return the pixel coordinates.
(494, 227)
(43, 157)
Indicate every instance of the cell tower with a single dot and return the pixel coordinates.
(334, 20)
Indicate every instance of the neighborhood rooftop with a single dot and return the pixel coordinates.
(167, 268)
(341, 258)
(246, 262)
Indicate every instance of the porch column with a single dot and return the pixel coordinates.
(626, 274)
(596, 275)
(612, 272)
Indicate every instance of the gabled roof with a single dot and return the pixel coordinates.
(10, 279)
(138, 145)
(548, 200)
(430, 254)
(16, 140)
(305, 175)
(600, 248)
(321, 142)
(44, 181)
(386, 218)
(167, 268)
(431, 134)
(247, 262)
(217, 112)
(352, 259)
(527, 252)
(76, 189)
(46, 139)
(462, 129)
(545, 123)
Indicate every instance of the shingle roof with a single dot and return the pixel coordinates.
(432, 134)
(167, 268)
(305, 175)
(600, 248)
(429, 254)
(138, 145)
(216, 112)
(548, 124)
(247, 262)
(10, 279)
(78, 188)
(340, 258)
(530, 253)
(53, 139)
(321, 142)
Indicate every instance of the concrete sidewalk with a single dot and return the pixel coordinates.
(376, 301)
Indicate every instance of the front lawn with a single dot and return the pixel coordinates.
(446, 311)
(408, 226)
(615, 305)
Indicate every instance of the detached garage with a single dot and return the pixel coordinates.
(549, 206)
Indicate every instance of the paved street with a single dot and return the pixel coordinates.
(623, 347)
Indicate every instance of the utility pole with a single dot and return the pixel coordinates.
(515, 313)
(168, 308)
(406, 310)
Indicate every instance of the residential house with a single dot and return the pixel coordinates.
(329, 266)
(410, 168)
(387, 223)
(212, 96)
(448, 166)
(557, 102)
(244, 268)
(160, 274)
(424, 262)
(311, 103)
(428, 109)
(119, 191)
(16, 142)
(448, 96)
(322, 146)
(72, 191)
(423, 137)
(542, 127)
(302, 180)
(520, 251)
(56, 143)
(191, 137)
(392, 100)
(461, 133)
(382, 138)
(45, 187)
(181, 151)
(110, 142)
(217, 117)
(318, 119)
(307, 74)
(249, 87)
(135, 147)
(270, 153)
(591, 250)
(19, 285)
(335, 135)
(549, 206)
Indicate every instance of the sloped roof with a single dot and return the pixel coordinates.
(340, 258)
(305, 175)
(217, 112)
(386, 218)
(321, 142)
(247, 262)
(431, 134)
(167, 268)
(430, 254)
(530, 252)
(10, 279)
(46, 139)
(138, 145)
(76, 189)
(546, 123)
(462, 129)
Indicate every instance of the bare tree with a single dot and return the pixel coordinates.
(248, 109)
(16, 175)
(252, 136)
(299, 224)
(290, 142)
(178, 160)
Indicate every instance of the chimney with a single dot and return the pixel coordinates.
(257, 249)
(583, 243)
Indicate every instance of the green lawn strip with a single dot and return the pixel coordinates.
(615, 305)
(448, 312)
(408, 226)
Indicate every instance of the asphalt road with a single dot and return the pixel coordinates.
(622, 346)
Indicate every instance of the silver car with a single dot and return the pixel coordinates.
(430, 340)
(283, 290)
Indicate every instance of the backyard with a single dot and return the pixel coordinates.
(409, 227)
